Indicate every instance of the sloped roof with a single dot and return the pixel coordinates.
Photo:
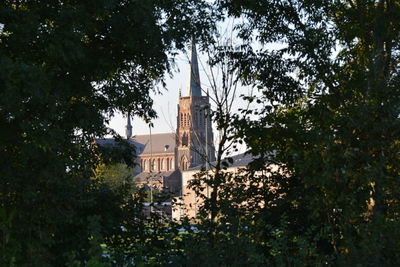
(162, 143)
(114, 143)
(240, 160)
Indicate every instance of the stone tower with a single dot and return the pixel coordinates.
(194, 132)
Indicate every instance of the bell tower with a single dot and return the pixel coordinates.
(194, 136)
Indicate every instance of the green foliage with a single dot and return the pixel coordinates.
(328, 120)
(66, 67)
(117, 152)
(323, 188)
(116, 176)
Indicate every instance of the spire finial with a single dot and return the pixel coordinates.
(180, 91)
(194, 79)
(128, 130)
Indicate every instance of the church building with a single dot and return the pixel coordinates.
(162, 157)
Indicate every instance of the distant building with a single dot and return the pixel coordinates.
(190, 203)
(166, 155)
(156, 159)
(162, 157)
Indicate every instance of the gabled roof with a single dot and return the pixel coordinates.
(162, 143)
(112, 142)
(241, 160)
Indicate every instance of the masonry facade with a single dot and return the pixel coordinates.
(161, 158)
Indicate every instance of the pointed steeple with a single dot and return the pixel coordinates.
(194, 79)
(128, 130)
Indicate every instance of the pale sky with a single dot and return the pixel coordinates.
(166, 104)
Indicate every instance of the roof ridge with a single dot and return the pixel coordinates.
(153, 134)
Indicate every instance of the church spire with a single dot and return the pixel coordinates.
(128, 130)
(194, 79)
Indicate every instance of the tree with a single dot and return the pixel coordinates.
(67, 66)
(116, 176)
(221, 236)
(329, 112)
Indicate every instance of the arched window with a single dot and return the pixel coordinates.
(184, 140)
(171, 164)
(181, 115)
(185, 120)
(151, 165)
(162, 164)
(144, 165)
(184, 163)
(167, 164)
(158, 164)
